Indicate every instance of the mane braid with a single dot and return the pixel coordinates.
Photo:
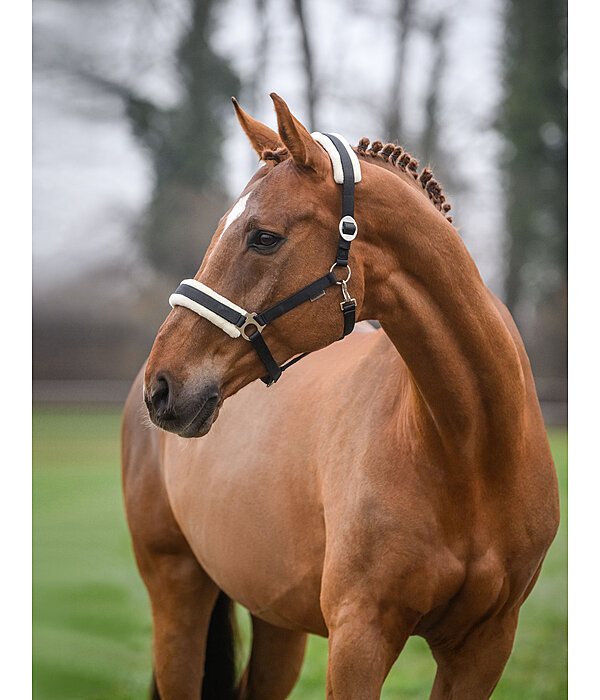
(394, 157)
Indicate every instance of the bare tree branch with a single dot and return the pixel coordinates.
(429, 137)
(404, 25)
(311, 95)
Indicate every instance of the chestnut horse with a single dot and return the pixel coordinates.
(397, 483)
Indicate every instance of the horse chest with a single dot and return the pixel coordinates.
(262, 541)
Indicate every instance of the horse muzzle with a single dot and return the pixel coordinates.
(187, 411)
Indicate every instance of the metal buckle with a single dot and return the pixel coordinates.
(251, 321)
(347, 298)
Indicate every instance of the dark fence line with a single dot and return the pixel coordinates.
(552, 393)
(80, 391)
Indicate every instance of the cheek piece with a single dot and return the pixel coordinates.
(236, 321)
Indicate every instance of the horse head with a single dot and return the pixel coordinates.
(276, 239)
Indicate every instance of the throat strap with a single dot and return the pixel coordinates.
(262, 350)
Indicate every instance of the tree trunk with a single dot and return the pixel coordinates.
(311, 92)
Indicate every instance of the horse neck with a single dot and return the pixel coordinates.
(424, 288)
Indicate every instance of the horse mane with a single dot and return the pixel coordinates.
(392, 158)
(396, 159)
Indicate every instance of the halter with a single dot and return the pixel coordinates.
(235, 321)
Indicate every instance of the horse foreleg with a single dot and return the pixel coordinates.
(182, 598)
(472, 668)
(365, 638)
(275, 662)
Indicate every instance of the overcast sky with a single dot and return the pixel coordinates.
(91, 180)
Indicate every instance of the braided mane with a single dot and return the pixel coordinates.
(389, 155)
(404, 163)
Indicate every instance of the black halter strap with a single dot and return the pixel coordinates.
(347, 224)
(309, 293)
(251, 325)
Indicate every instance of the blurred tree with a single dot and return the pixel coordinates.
(311, 90)
(404, 23)
(534, 126)
(431, 127)
(184, 144)
(254, 88)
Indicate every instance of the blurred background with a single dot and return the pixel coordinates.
(137, 154)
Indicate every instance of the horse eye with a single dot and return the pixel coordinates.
(264, 241)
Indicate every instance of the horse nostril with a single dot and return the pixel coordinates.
(160, 393)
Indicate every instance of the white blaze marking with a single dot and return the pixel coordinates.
(235, 213)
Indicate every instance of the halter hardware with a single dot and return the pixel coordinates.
(251, 321)
(235, 321)
(332, 268)
(348, 228)
(347, 298)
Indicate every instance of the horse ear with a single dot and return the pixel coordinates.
(260, 136)
(302, 147)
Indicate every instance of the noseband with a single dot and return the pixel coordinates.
(235, 321)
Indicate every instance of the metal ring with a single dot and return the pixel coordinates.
(349, 272)
(250, 321)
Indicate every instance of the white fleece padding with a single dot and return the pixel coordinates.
(336, 161)
(181, 300)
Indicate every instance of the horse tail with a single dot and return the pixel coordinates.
(154, 694)
(219, 681)
(220, 662)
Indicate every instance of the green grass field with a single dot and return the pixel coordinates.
(91, 635)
